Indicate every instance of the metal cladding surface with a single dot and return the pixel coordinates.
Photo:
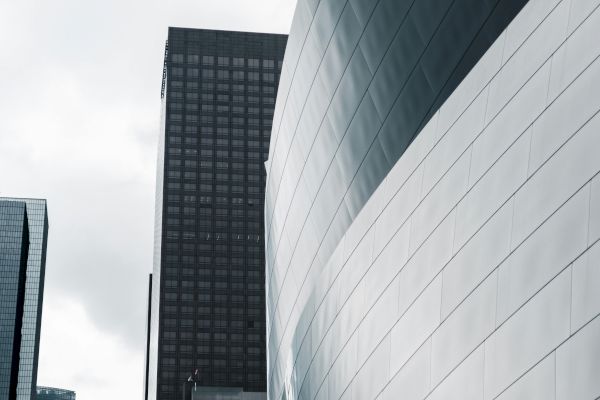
(432, 233)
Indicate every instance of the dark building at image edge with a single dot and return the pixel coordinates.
(207, 305)
(23, 265)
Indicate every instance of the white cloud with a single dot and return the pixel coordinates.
(79, 357)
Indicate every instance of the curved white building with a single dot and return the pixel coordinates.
(433, 202)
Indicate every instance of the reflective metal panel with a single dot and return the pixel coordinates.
(578, 363)
(409, 225)
(536, 384)
(534, 331)
(586, 280)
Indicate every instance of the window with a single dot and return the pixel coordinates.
(176, 117)
(224, 61)
(177, 58)
(191, 141)
(208, 60)
(203, 349)
(193, 58)
(206, 141)
(208, 74)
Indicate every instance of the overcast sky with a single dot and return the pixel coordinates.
(79, 116)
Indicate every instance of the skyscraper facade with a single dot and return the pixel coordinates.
(433, 202)
(14, 246)
(208, 318)
(29, 303)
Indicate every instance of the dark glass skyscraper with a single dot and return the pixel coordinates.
(23, 259)
(208, 301)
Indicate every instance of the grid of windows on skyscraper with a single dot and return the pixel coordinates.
(32, 296)
(219, 96)
(14, 247)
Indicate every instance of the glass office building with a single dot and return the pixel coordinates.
(208, 310)
(48, 393)
(14, 246)
(433, 202)
(29, 303)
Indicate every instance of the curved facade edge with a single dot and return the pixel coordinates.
(471, 268)
(359, 83)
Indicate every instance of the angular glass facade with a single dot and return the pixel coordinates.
(208, 310)
(14, 246)
(433, 202)
(34, 288)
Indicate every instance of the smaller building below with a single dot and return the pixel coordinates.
(194, 392)
(48, 393)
